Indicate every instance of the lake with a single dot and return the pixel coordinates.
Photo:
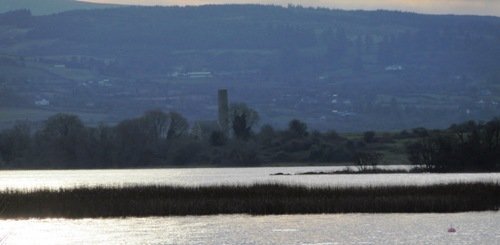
(36, 179)
(472, 228)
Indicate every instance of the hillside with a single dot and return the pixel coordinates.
(344, 70)
(43, 7)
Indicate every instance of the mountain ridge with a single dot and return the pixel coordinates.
(44, 7)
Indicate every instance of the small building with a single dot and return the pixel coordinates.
(199, 74)
(394, 68)
(104, 83)
(42, 102)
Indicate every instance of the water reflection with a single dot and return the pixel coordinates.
(217, 176)
(472, 228)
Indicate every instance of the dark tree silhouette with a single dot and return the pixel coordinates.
(242, 118)
(62, 139)
(218, 138)
(297, 129)
(240, 128)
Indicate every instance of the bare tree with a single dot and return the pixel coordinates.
(365, 160)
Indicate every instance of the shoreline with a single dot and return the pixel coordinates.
(348, 169)
(201, 166)
(256, 199)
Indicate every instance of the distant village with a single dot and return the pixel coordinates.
(322, 104)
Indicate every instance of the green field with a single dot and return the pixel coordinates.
(9, 116)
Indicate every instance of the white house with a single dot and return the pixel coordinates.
(394, 68)
(42, 102)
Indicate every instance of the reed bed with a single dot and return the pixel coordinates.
(257, 199)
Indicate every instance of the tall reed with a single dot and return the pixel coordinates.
(257, 199)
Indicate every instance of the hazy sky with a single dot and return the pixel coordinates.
(481, 7)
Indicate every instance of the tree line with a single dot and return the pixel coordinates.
(166, 139)
(163, 139)
(470, 146)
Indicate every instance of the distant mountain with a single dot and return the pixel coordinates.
(347, 70)
(42, 7)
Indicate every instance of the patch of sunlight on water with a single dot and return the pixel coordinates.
(472, 228)
(35, 179)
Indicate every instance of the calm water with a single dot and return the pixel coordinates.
(472, 228)
(211, 176)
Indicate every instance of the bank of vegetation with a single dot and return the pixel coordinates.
(160, 139)
(257, 199)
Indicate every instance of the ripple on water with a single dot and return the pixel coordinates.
(210, 176)
(472, 228)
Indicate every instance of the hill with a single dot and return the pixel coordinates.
(346, 70)
(43, 7)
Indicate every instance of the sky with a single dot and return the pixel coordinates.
(475, 7)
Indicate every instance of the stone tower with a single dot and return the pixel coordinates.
(223, 111)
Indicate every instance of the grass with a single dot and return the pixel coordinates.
(257, 199)
(9, 115)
